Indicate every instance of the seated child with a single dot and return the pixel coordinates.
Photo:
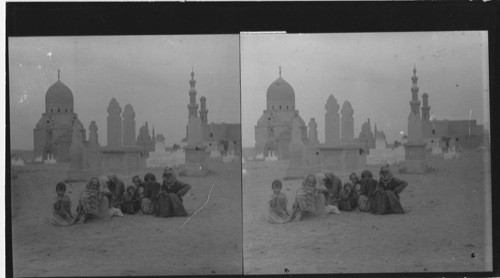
(368, 186)
(356, 184)
(61, 209)
(131, 203)
(139, 186)
(348, 199)
(277, 205)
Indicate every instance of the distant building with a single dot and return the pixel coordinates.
(145, 141)
(273, 129)
(466, 134)
(53, 132)
(226, 137)
(366, 136)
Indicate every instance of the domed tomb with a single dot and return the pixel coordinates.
(59, 98)
(280, 95)
(273, 129)
(53, 132)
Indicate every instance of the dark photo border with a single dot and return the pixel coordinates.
(133, 18)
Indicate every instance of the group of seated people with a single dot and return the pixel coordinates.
(106, 196)
(363, 194)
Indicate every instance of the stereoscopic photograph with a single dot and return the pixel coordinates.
(366, 153)
(125, 155)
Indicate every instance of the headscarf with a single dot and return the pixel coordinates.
(112, 181)
(388, 177)
(92, 200)
(90, 193)
(332, 181)
(89, 190)
(169, 177)
(333, 184)
(366, 174)
(149, 176)
(141, 183)
(320, 179)
(305, 188)
(103, 182)
(347, 183)
(356, 178)
(130, 186)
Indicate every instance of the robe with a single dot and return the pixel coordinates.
(309, 202)
(386, 196)
(116, 188)
(159, 202)
(131, 203)
(278, 212)
(93, 205)
(366, 199)
(61, 212)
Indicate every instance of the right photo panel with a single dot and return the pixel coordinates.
(366, 152)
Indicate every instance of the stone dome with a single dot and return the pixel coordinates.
(59, 98)
(280, 93)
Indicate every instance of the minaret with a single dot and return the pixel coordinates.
(415, 131)
(415, 103)
(203, 110)
(192, 106)
(425, 107)
(415, 154)
(154, 136)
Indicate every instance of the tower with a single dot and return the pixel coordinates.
(192, 106)
(425, 107)
(414, 103)
(114, 124)
(332, 121)
(415, 132)
(426, 124)
(415, 155)
(203, 110)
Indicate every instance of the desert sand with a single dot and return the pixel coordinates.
(210, 243)
(447, 227)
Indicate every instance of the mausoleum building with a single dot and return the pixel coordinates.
(226, 137)
(53, 132)
(274, 128)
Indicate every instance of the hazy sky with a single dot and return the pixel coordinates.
(372, 71)
(150, 72)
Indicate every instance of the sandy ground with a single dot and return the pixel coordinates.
(448, 224)
(210, 243)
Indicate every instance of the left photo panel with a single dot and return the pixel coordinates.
(125, 155)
